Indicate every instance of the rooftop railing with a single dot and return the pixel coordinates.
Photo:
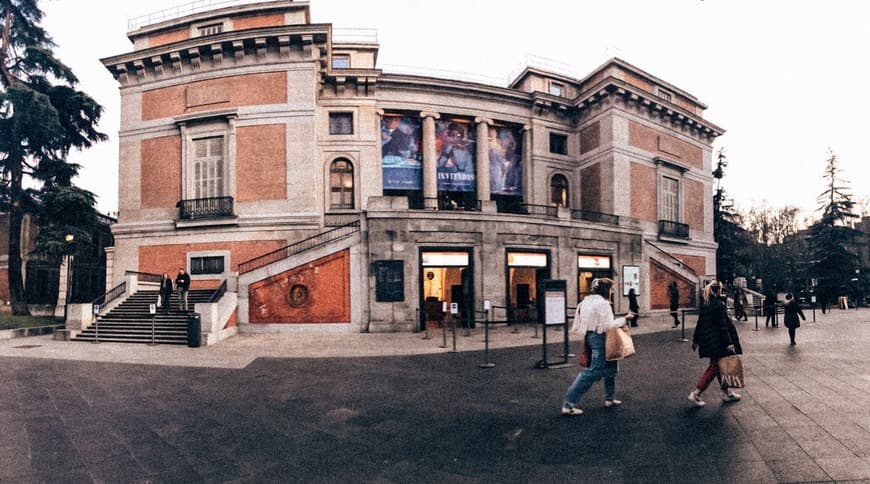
(182, 11)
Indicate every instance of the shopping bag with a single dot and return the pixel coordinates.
(731, 371)
(618, 343)
(159, 301)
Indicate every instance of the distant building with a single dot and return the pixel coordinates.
(263, 150)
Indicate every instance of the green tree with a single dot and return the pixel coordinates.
(831, 236)
(42, 117)
(733, 239)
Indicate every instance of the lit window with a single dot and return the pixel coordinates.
(558, 144)
(559, 190)
(341, 184)
(208, 167)
(210, 29)
(341, 62)
(556, 89)
(340, 123)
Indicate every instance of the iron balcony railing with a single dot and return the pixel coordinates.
(532, 209)
(337, 219)
(432, 203)
(590, 216)
(197, 208)
(298, 247)
(673, 229)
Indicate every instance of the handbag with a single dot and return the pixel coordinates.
(731, 371)
(159, 301)
(618, 343)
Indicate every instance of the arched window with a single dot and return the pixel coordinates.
(341, 184)
(559, 190)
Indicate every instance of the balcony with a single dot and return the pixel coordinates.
(529, 209)
(597, 217)
(676, 230)
(430, 203)
(205, 208)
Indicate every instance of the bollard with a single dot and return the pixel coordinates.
(444, 331)
(425, 324)
(96, 331)
(683, 338)
(756, 317)
(453, 330)
(486, 363)
(153, 341)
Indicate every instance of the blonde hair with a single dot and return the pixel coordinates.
(708, 291)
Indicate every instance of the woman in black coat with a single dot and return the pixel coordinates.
(792, 311)
(633, 307)
(715, 337)
(165, 292)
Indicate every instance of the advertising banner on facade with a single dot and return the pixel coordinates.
(505, 160)
(455, 144)
(401, 150)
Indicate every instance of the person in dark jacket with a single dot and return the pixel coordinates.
(792, 311)
(770, 310)
(633, 307)
(182, 283)
(740, 305)
(674, 295)
(165, 292)
(715, 337)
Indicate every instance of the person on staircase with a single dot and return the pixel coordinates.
(182, 284)
(165, 292)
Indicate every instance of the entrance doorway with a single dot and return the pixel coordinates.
(590, 267)
(525, 271)
(446, 277)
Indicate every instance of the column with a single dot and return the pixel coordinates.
(430, 158)
(527, 164)
(483, 186)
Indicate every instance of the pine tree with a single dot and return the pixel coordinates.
(42, 117)
(832, 235)
(728, 232)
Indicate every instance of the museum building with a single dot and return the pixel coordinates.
(271, 156)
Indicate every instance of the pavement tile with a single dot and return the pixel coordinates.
(739, 472)
(798, 470)
(845, 469)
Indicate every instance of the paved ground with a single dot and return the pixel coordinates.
(398, 408)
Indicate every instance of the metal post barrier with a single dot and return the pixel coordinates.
(425, 324)
(683, 338)
(443, 331)
(153, 341)
(96, 331)
(486, 363)
(453, 330)
(755, 308)
(814, 313)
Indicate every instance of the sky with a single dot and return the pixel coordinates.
(784, 79)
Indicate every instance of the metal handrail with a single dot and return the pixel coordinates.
(145, 276)
(111, 295)
(219, 292)
(301, 246)
(676, 261)
(591, 216)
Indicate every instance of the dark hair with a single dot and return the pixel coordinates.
(602, 286)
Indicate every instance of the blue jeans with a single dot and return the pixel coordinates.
(599, 368)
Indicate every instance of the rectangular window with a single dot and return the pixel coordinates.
(556, 89)
(665, 95)
(207, 265)
(670, 199)
(340, 123)
(341, 62)
(208, 167)
(558, 144)
(210, 29)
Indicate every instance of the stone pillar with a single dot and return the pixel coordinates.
(527, 164)
(110, 268)
(62, 288)
(430, 157)
(483, 187)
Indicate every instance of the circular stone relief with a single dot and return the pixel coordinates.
(298, 295)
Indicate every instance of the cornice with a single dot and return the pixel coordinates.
(244, 48)
(464, 88)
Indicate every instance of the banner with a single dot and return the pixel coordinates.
(401, 151)
(505, 161)
(454, 143)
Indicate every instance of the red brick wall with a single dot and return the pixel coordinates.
(158, 259)
(261, 162)
(695, 262)
(590, 188)
(160, 172)
(649, 139)
(325, 284)
(254, 21)
(590, 137)
(694, 200)
(164, 38)
(246, 90)
(659, 279)
(644, 191)
(4, 285)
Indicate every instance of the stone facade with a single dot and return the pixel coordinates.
(249, 131)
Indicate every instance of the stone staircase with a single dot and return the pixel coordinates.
(130, 322)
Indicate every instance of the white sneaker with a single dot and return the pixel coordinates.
(571, 411)
(696, 399)
(730, 396)
(612, 403)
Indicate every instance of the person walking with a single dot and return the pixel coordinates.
(740, 305)
(770, 310)
(633, 307)
(165, 292)
(182, 283)
(792, 310)
(715, 337)
(674, 295)
(594, 316)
